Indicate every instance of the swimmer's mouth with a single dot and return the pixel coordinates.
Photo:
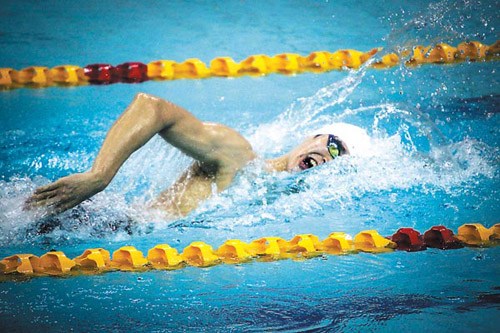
(307, 163)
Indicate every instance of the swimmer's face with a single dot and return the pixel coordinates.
(310, 153)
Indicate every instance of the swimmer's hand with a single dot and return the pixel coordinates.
(66, 192)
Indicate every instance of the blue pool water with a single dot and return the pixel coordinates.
(432, 158)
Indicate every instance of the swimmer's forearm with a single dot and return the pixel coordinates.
(145, 117)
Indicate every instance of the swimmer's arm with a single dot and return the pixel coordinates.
(214, 145)
(145, 117)
(136, 126)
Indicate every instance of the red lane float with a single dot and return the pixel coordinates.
(132, 72)
(441, 237)
(408, 239)
(100, 73)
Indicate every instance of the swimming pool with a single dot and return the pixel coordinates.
(433, 159)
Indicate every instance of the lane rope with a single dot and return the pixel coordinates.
(234, 251)
(256, 65)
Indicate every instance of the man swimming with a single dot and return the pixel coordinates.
(219, 153)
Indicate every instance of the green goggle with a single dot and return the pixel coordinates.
(335, 146)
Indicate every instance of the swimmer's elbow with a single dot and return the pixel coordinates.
(154, 108)
(148, 102)
(172, 122)
(145, 97)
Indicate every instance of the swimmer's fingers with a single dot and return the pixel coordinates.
(46, 202)
(66, 192)
(47, 199)
(42, 193)
(36, 197)
(48, 188)
(36, 201)
(39, 199)
(57, 204)
(50, 191)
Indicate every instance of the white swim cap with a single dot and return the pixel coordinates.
(356, 139)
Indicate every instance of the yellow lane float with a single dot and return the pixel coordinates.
(224, 66)
(475, 234)
(234, 251)
(128, 258)
(94, 259)
(163, 256)
(338, 243)
(200, 254)
(372, 241)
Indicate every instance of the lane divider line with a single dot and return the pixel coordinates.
(254, 65)
(234, 251)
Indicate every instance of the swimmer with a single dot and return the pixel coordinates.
(219, 152)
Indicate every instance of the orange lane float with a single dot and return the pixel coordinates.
(286, 63)
(234, 251)
(254, 65)
(372, 241)
(55, 263)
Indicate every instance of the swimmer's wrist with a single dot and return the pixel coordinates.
(100, 180)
